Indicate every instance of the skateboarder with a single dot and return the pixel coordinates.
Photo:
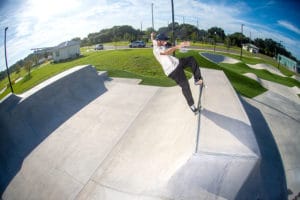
(174, 67)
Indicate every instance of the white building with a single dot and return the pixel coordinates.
(66, 50)
(288, 63)
(63, 51)
(251, 48)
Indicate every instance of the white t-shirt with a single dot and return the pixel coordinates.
(168, 62)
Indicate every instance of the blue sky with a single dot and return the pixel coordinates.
(44, 23)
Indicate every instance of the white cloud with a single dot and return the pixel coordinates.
(289, 26)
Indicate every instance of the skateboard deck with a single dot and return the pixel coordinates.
(200, 107)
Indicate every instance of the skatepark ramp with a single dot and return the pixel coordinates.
(81, 135)
(28, 119)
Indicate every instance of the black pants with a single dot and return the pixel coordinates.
(179, 77)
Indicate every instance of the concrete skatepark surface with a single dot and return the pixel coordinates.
(83, 135)
(279, 107)
(267, 67)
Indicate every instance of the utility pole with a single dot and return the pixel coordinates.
(278, 58)
(242, 41)
(7, 71)
(197, 30)
(152, 17)
(173, 33)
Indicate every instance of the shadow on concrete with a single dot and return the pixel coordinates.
(216, 175)
(271, 182)
(237, 128)
(291, 109)
(210, 176)
(25, 123)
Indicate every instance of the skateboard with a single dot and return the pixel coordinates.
(200, 107)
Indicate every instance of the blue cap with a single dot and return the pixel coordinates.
(162, 37)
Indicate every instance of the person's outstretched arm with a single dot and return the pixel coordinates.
(170, 51)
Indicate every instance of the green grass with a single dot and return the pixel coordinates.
(242, 68)
(146, 80)
(244, 85)
(134, 63)
(256, 59)
(141, 64)
(201, 61)
(14, 77)
(120, 43)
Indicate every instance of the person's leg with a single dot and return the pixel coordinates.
(192, 63)
(186, 91)
(179, 77)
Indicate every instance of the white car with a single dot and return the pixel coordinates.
(138, 44)
(99, 47)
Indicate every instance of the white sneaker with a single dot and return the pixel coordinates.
(194, 110)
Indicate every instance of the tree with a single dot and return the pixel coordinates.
(260, 44)
(270, 47)
(127, 37)
(227, 42)
(185, 31)
(149, 30)
(182, 31)
(235, 39)
(194, 36)
(216, 33)
(18, 68)
(76, 39)
(202, 35)
(113, 34)
(165, 30)
(27, 66)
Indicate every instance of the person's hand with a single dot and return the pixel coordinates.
(185, 44)
(152, 34)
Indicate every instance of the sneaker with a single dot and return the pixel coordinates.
(195, 111)
(199, 82)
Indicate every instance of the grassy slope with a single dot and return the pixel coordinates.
(140, 63)
(242, 68)
(134, 63)
(249, 59)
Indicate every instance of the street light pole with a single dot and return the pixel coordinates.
(152, 17)
(173, 34)
(215, 40)
(7, 71)
(242, 41)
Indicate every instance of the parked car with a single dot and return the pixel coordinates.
(99, 47)
(138, 44)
